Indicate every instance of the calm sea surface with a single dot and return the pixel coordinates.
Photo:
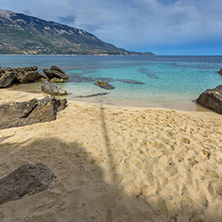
(164, 80)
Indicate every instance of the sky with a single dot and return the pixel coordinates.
(164, 27)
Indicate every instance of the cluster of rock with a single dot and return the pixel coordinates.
(54, 75)
(9, 76)
(26, 179)
(212, 99)
(30, 112)
(18, 75)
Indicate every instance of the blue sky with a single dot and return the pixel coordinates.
(165, 27)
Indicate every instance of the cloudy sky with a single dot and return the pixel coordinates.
(165, 27)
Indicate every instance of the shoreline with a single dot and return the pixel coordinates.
(34, 88)
(19, 95)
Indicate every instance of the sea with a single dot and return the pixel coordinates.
(145, 81)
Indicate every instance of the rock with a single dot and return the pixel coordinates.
(26, 179)
(29, 112)
(27, 74)
(28, 77)
(20, 75)
(212, 98)
(104, 85)
(92, 95)
(130, 81)
(220, 72)
(53, 89)
(6, 79)
(60, 104)
(55, 72)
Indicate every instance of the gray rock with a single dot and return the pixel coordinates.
(212, 98)
(130, 81)
(34, 111)
(60, 104)
(92, 95)
(28, 77)
(6, 79)
(104, 85)
(53, 89)
(55, 72)
(27, 74)
(26, 179)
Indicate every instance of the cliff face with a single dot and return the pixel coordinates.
(23, 34)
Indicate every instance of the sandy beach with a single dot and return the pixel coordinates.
(117, 164)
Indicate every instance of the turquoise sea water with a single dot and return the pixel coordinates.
(166, 79)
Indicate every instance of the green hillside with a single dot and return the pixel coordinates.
(22, 34)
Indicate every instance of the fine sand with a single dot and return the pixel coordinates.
(117, 164)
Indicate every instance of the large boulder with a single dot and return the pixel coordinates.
(104, 85)
(26, 179)
(212, 98)
(29, 112)
(220, 72)
(6, 79)
(27, 74)
(55, 72)
(53, 89)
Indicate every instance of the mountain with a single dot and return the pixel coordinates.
(23, 34)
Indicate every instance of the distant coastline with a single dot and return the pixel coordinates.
(79, 54)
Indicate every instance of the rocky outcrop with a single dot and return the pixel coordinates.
(27, 74)
(220, 72)
(212, 98)
(53, 89)
(34, 111)
(55, 72)
(104, 85)
(30, 74)
(6, 79)
(18, 75)
(26, 179)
